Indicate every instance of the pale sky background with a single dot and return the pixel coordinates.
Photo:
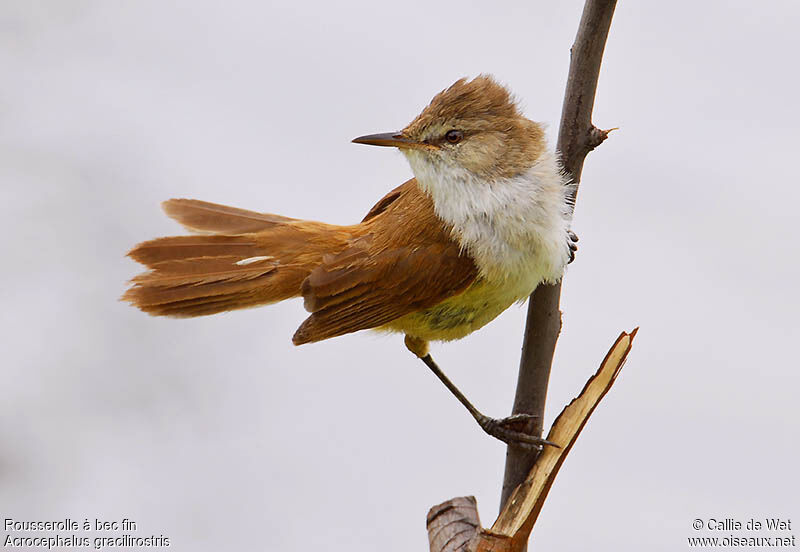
(221, 435)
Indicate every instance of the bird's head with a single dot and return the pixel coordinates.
(473, 125)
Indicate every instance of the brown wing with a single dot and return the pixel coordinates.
(384, 203)
(403, 260)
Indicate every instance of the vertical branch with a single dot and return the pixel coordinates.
(577, 136)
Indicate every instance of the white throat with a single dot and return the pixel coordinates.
(513, 228)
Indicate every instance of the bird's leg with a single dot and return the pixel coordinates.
(513, 430)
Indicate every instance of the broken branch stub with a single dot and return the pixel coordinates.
(453, 526)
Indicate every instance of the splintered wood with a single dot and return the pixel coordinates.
(454, 527)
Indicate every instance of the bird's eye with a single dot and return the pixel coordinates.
(454, 136)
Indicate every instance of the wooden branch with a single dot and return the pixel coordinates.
(577, 137)
(453, 526)
(528, 479)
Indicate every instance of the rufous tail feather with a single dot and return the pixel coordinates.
(244, 259)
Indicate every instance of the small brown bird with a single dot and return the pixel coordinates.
(484, 220)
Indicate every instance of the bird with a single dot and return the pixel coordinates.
(485, 220)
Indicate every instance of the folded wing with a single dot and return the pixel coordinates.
(404, 261)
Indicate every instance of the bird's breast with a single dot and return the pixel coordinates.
(515, 231)
(513, 228)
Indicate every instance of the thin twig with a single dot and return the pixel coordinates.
(577, 136)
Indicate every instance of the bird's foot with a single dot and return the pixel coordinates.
(515, 430)
(572, 241)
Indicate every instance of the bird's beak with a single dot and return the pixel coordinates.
(392, 139)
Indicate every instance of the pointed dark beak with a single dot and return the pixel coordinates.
(392, 139)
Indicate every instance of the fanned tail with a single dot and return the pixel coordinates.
(245, 259)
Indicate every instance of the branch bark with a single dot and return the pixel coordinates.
(576, 138)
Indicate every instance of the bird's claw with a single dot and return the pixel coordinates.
(516, 430)
(572, 241)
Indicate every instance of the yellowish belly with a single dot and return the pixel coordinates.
(458, 316)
